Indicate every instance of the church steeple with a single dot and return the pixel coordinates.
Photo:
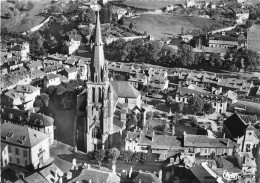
(98, 73)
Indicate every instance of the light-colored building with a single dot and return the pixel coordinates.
(25, 146)
(70, 73)
(203, 145)
(22, 50)
(53, 79)
(190, 3)
(219, 102)
(22, 96)
(36, 121)
(241, 15)
(222, 44)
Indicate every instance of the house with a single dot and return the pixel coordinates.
(22, 96)
(53, 69)
(144, 177)
(203, 145)
(70, 73)
(70, 62)
(53, 79)
(39, 122)
(218, 102)
(249, 140)
(25, 146)
(94, 175)
(21, 50)
(222, 44)
(235, 126)
(162, 145)
(35, 65)
(201, 175)
(49, 174)
(82, 67)
(241, 15)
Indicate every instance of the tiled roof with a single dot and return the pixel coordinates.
(248, 118)
(37, 73)
(132, 136)
(202, 175)
(50, 171)
(95, 175)
(32, 119)
(165, 142)
(35, 178)
(52, 76)
(235, 125)
(124, 89)
(21, 135)
(204, 141)
(215, 50)
(234, 43)
(71, 69)
(70, 61)
(51, 68)
(35, 64)
(146, 178)
(26, 89)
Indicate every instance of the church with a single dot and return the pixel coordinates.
(97, 103)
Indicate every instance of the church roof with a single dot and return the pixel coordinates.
(124, 89)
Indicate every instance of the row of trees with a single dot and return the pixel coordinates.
(99, 155)
(9, 12)
(195, 105)
(153, 52)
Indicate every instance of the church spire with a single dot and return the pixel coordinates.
(98, 35)
(98, 72)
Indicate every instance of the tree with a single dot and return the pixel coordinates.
(219, 162)
(54, 9)
(99, 155)
(196, 104)
(193, 120)
(41, 100)
(173, 130)
(185, 56)
(179, 107)
(30, 5)
(60, 90)
(51, 90)
(25, 21)
(208, 108)
(131, 26)
(106, 13)
(139, 156)
(130, 121)
(113, 154)
(87, 16)
(126, 156)
(238, 160)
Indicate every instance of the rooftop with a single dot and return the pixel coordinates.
(21, 135)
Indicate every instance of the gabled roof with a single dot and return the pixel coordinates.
(205, 141)
(21, 135)
(124, 89)
(96, 176)
(202, 174)
(146, 178)
(165, 142)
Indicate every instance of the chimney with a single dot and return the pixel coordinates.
(89, 181)
(60, 180)
(140, 181)
(227, 142)
(130, 172)
(88, 166)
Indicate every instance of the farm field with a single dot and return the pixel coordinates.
(33, 16)
(164, 26)
(254, 37)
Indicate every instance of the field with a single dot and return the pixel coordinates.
(254, 37)
(163, 26)
(33, 16)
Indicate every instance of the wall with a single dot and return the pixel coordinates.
(110, 40)
(37, 27)
(224, 29)
(35, 151)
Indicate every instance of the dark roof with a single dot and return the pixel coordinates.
(202, 175)
(71, 69)
(146, 178)
(35, 64)
(21, 135)
(124, 89)
(117, 122)
(32, 119)
(237, 123)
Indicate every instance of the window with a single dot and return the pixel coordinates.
(10, 158)
(18, 161)
(25, 162)
(9, 149)
(25, 153)
(16, 151)
(206, 150)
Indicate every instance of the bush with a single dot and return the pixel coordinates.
(126, 156)
(139, 156)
